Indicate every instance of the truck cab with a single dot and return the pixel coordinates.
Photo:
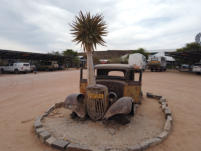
(120, 79)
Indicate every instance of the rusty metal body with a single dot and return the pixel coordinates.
(96, 101)
(127, 85)
(112, 95)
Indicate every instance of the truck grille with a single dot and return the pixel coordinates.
(97, 103)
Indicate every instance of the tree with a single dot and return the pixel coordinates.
(73, 56)
(69, 53)
(88, 31)
(190, 47)
(55, 53)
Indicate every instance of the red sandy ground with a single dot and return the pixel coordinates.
(24, 97)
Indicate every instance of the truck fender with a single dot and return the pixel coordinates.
(75, 103)
(121, 106)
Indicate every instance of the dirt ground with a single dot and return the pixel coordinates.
(24, 97)
(147, 123)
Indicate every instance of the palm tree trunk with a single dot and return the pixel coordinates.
(90, 67)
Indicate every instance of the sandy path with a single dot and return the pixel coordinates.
(24, 97)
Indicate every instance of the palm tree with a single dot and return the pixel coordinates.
(89, 30)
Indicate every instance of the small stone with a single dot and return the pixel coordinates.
(162, 100)
(167, 126)
(45, 114)
(167, 112)
(135, 148)
(51, 109)
(155, 141)
(163, 135)
(163, 106)
(77, 147)
(169, 117)
(144, 145)
(152, 141)
(149, 95)
(60, 104)
(50, 140)
(39, 130)
(60, 144)
(37, 124)
(39, 118)
(44, 135)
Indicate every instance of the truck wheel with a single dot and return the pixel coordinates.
(16, 71)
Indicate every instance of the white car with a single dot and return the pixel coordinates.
(16, 67)
(197, 68)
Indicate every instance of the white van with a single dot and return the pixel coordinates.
(16, 67)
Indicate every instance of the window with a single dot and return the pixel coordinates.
(116, 73)
(137, 77)
(111, 74)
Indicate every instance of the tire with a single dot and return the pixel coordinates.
(16, 71)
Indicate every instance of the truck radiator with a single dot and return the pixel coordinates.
(97, 103)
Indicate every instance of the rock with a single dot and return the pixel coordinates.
(144, 145)
(50, 140)
(155, 141)
(162, 100)
(163, 106)
(45, 114)
(60, 144)
(37, 123)
(150, 142)
(163, 135)
(59, 105)
(51, 109)
(44, 135)
(135, 148)
(149, 95)
(169, 117)
(167, 112)
(39, 130)
(77, 147)
(167, 126)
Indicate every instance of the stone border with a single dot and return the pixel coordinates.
(64, 145)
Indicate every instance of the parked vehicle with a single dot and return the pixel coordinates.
(197, 68)
(137, 60)
(47, 66)
(157, 63)
(16, 67)
(116, 93)
(184, 68)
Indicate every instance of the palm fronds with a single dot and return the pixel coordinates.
(89, 30)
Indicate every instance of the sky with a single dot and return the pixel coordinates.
(44, 25)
